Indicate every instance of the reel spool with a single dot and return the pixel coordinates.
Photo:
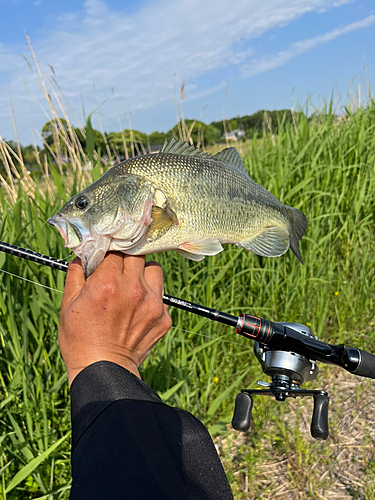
(288, 371)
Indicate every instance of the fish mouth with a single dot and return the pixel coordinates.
(90, 248)
(59, 222)
(75, 234)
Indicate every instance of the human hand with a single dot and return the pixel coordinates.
(116, 315)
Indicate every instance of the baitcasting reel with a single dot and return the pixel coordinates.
(288, 370)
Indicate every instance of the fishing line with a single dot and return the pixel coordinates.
(207, 336)
(185, 305)
(175, 327)
(66, 258)
(31, 281)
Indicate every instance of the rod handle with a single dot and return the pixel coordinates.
(366, 366)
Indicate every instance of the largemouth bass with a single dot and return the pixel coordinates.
(181, 199)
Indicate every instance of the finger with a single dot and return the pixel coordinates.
(134, 265)
(112, 261)
(154, 277)
(75, 280)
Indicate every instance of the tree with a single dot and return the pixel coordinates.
(53, 129)
(156, 138)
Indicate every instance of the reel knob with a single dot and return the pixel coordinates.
(242, 412)
(319, 422)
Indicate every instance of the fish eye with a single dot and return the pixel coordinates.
(82, 202)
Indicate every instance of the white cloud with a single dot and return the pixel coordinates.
(141, 54)
(272, 61)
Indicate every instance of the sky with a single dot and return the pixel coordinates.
(125, 61)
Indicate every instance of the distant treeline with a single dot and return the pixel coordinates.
(115, 146)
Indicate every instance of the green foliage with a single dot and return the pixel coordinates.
(128, 143)
(258, 122)
(156, 138)
(11, 150)
(90, 139)
(52, 128)
(322, 166)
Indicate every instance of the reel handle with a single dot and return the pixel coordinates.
(319, 422)
(242, 412)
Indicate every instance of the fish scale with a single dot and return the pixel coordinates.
(215, 211)
(181, 199)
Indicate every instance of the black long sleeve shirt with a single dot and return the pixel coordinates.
(128, 444)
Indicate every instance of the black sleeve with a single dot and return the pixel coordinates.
(127, 444)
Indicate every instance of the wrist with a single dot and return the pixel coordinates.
(123, 361)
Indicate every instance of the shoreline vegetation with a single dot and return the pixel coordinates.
(323, 165)
(114, 147)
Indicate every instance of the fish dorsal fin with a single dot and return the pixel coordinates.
(231, 156)
(182, 148)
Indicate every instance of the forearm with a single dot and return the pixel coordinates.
(128, 444)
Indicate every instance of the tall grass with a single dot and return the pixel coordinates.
(322, 166)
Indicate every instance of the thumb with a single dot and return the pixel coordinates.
(75, 280)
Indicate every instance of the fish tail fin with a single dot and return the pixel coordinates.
(298, 226)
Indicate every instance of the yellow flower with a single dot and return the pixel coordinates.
(308, 324)
(216, 380)
(336, 293)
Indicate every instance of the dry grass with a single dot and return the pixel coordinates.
(243, 147)
(304, 468)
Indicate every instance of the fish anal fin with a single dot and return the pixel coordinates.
(210, 246)
(188, 255)
(162, 218)
(271, 242)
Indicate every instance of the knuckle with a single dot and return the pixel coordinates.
(168, 321)
(161, 316)
(108, 289)
(105, 289)
(138, 293)
(156, 309)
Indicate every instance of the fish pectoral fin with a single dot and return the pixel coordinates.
(162, 218)
(210, 246)
(272, 242)
(189, 255)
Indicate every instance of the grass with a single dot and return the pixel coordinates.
(323, 167)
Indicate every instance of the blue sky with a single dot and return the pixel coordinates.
(127, 58)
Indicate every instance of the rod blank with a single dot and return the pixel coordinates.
(169, 300)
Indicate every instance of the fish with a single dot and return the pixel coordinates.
(179, 199)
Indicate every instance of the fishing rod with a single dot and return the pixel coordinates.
(287, 352)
